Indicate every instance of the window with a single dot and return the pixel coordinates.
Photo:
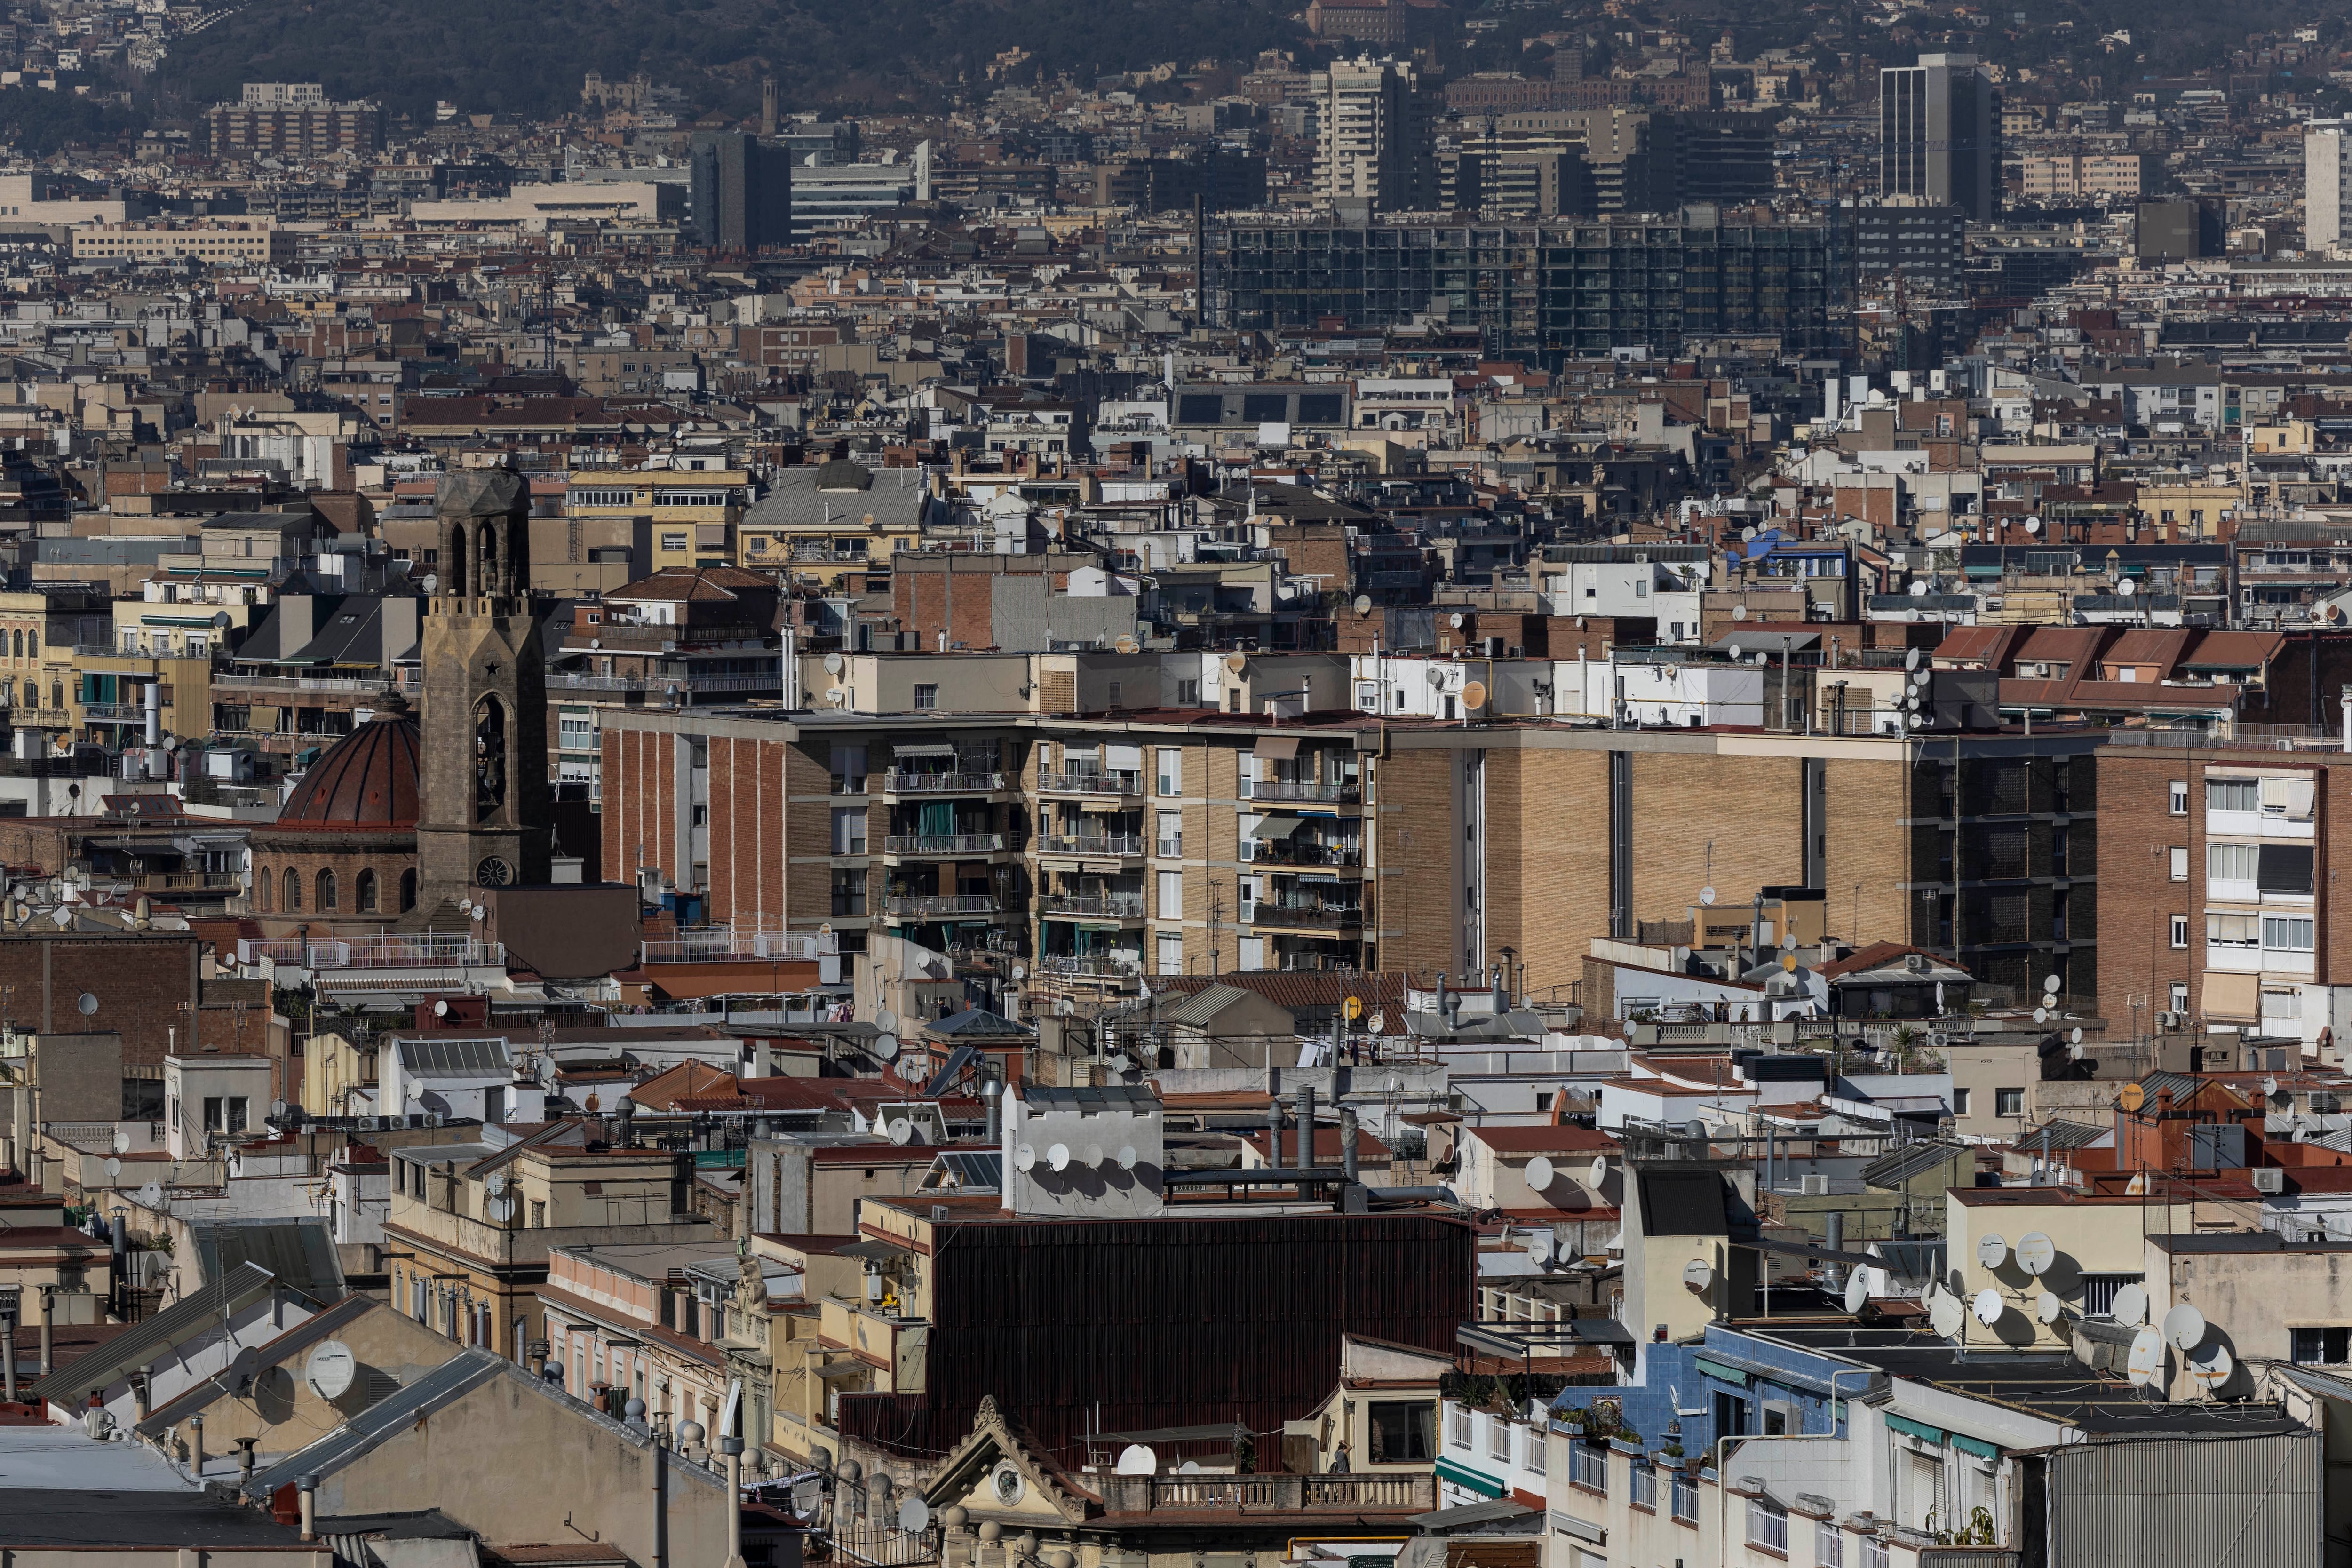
(1536, 1457)
(2180, 930)
(2099, 1292)
(1645, 1485)
(1401, 1434)
(1498, 1439)
(1731, 1414)
(2284, 868)
(326, 892)
(2179, 863)
(265, 883)
(1172, 895)
(577, 730)
(1959, 1101)
(2178, 997)
(927, 698)
(2287, 933)
(2234, 794)
(1873, 1552)
(1171, 953)
(1188, 694)
(849, 830)
(292, 903)
(673, 541)
(407, 891)
(2231, 862)
(2008, 1102)
(1768, 1526)
(1170, 840)
(363, 893)
(1171, 771)
(226, 1113)
(849, 770)
(1588, 1467)
(1829, 1544)
(2321, 1347)
(849, 890)
(1457, 1429)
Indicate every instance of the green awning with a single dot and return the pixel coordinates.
(1469, 1479)
(1911, 1428)
(1716, 1369)
(1976, 1446)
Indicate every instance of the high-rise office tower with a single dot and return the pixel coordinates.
(1375, 136)
(1939, 135)
(740, 193)
(2327, 174)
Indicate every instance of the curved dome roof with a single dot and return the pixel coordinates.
(367, 780)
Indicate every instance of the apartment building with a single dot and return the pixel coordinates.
(1375, 145)
(219, 243)
(686, 517)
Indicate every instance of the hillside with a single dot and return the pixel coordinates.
(528, 56)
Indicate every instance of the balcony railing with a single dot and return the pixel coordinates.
(1271, 1494)
(1685, 1498)
(935, 906)
(235, 681)
(718, 946)
(115, 713)
(1091, 964)
(943, 783)
(1111, 906)
(685, 683)
(942, 843)
(1318, 917)
(1283, 789)
(1082, 844)
(1291, 852)
(373, 953)
(1090, 784)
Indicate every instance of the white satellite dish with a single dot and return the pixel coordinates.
(1698, 1275)
(1989, 1308)
(1946, 1316)
(886, 1021)
(2051, 984)
(833, 664)
(1025, 1158)
(1857, 1290)
(330, 1369)
(886, 1045)
(2035, 1253)
(149, 1196)
(914, 1515)
(2146, 1362)
(1911, 659)
(1706, 896)
(121, 1142)
(2042, 1015)
(1058, 1156)
(2077, 1036)
(2270, 1087)
(901, 1130)
(1598, 1171)
(1739, 612)
(1918, 590)
(2184, 1327)
(1189, 1467)
(1539, 1173)
(1093, 1157)
(1128, 1158)
(2130, 1305)
(1378, 1023)
(1455, 620)
(495, 1183)
(2127, 588)
(1991, 1250)
(2211, 1365)
(2049, 1308)
(1135, 1459)
(1733, 650)
(113, 1167)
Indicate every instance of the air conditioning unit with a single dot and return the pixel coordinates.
(1814, 1186)
(2269, 1179)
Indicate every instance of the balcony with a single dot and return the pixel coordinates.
(1094, 906)
(1291, 852)
(943, 844)
(288, 684)
(943, 783)
(1271, 1495)
(1106, 844)
(115, 713)
(1120, 784)
(939, 906)
(1090, 966)
(688, 685)
(717, 945)
(1301, 917)
(1282, 790)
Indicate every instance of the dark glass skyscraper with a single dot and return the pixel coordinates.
(740, 193)
(1939, 135)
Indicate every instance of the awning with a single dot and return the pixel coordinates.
(1272, 827)
(1468, 1479)
(1910, 1428)
(1096, 803)
(2233, 996)
(1716, 1369)
(1275, 748)
(1976, 1446)
(923, 749)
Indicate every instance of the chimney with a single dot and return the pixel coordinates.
(1306, 1127)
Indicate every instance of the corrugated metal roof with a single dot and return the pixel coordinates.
(973, 1172)
(1891, 1170)
(181, 1320)
(2188, 1499)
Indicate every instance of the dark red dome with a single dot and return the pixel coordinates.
(368, 780)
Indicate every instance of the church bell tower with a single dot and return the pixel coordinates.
(486, 817)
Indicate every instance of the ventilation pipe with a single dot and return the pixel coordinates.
(153, 691)
(1273, 1133)
(1347, 1141)
(1833, 1234)
(1305, 1129)
(991, 1097)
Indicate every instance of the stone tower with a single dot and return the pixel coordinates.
(485, 816)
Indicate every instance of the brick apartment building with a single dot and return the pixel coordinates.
(293, 129)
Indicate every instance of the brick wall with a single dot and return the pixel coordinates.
(142, 986)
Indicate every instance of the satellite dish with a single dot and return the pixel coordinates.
(886, 1045)
(2127, 588)
(495, 1183)
(88, 1004)
(1437, 676)
(1378, 1023)
(886, 1020)
(1092, 1157)
(1945, 1316)
(1363, 603)
(1123, 643)
(2211, 1365)
(1539, 1173)
(1135, 1459)
(1025, 1158)
(2049, 1308)
(1119, 1063)
(1739, 612)
(2078, 1033)
(149, 1196)
(113, 1166)
(1733, 650)
(2035, 1253)
(1989, 1308)
(330, 1369)
(2042, 1015)
(1706, 896)
(914, 1515)
(1698, 1275)
(1911, 659)
(1857, 1290)
(1749, 533)
(1237, 662)
(2184, 1327)
(1128, 1158)
(1991, 1250)
(2032, 525)
(1599, 1173)
(835, 694)
(1918, 590)
(833, 664)
(1189, 1467)
(1455, 620)
(2146, 1362)
(1694, 1128)
(1058, 1156)
(2270, 1086)
(901, 1130)
(1474, 695)
(121, 1142)
(2051, 984)
(2130, 1305)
